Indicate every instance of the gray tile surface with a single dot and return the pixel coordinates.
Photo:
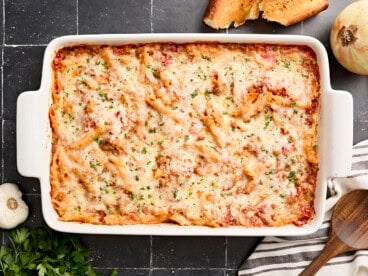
(38, 21)
(29, 25)
(184, 252)
(179, 16)
(114, 16)
(22, 72)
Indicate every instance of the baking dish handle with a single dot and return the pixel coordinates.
(340, 115)
(29, 137)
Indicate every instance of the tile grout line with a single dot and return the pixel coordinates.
(24, 45)
(2, 147)
(3, 23)
(151, 252)
(2, 114)
(2, 104)
(151, 16)
(2, 89)
(166, 268)
(226, 242)
(77, 16)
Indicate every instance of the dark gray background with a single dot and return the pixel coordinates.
(26, 28)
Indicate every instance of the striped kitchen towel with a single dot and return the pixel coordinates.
(290, 255)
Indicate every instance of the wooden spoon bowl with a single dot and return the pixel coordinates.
(349, 229)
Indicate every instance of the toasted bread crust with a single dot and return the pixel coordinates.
(291, 12)
(221, 14)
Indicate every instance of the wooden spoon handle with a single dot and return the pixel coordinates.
(332, 248)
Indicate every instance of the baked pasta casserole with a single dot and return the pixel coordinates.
(213, 134)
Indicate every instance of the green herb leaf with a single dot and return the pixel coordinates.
(291, 176)
(286, 63)
(155, 72)
(194, 94)
(206, 57)
(268, 118)
(41, 251)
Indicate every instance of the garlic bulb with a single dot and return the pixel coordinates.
(13, 210)
(349, 37)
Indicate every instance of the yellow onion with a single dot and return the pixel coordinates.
(349, 37)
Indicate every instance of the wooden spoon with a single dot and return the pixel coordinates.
(349, 229)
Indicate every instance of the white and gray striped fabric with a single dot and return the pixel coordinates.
(290, 255)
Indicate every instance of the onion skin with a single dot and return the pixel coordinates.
(349, 37)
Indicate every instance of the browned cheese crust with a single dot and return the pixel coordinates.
(211, 134)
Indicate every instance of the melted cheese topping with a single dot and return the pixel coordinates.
(196, 134)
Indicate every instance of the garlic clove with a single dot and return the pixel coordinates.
(13, 210)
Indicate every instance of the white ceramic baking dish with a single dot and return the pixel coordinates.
(34, 135)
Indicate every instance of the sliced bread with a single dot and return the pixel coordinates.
(288, 12)
(221, 14)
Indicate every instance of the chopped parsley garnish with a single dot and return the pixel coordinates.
(173, 107)
(291, 176)
(206, 57)
(94, 164)
(186, 138)
(144, 150)
(270, 172)
(83, 82)
(103, 96)
(105, 65)
(96, 139)
(194, 94)
(268, 118)
(286, 63)
(155, 72)
(208, 93)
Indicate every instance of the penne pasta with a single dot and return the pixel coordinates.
(206, 134)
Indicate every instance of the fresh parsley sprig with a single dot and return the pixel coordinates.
(42, 251)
